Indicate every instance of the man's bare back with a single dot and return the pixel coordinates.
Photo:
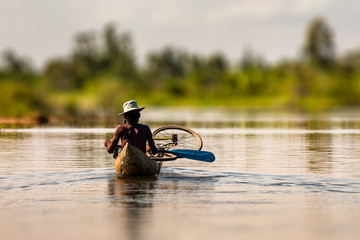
(137, 135)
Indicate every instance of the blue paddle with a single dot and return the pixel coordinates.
(193, 154)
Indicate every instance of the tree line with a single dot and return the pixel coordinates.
(102, 72)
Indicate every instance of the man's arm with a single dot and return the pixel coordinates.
(151, 141)
(111, 145)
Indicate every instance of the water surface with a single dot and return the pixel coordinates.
(275, 177)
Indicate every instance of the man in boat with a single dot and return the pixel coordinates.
(133, 160)
(131, 131)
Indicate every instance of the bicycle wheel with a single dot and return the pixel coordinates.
(177, 137)
(163, 156)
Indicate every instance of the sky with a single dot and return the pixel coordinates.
(275, 29)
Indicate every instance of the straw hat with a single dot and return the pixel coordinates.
(131, 106)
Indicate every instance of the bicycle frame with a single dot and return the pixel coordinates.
(173, 138)
(165, 146)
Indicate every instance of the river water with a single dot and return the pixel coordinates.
(276, 176)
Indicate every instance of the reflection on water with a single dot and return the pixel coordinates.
(275, 176)
(132, 194)
(32, 150)
(140, 198)
(130, 191)
(319, 153)
(326, 152)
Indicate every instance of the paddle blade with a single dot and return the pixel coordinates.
(194, 154)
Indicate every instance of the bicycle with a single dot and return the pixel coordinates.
(172, 137)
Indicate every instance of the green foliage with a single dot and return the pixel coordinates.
(16, 67)
(319, 44)
(18, 99)
(112, 55)
(101, 73)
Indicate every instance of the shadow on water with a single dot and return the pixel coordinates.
(134, 196)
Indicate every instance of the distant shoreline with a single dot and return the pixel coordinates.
(174, 113)
(23, 120)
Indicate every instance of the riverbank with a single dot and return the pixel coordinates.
(26, 120)
(22, 120)
(186, 115)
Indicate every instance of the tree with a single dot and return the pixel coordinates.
(319, 47)
(251, 60)
(118, 53)
(350, 62)
(169, 62)
(60, 74)
(218, 63)
(16, 66)
(85, 55)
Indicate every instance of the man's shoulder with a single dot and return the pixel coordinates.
(122, 127)
(127, 126)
